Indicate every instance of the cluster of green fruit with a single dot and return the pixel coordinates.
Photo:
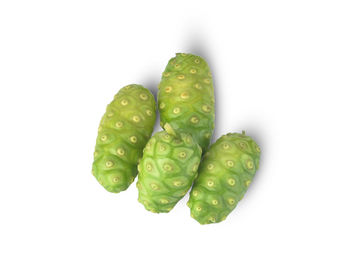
(171, 160)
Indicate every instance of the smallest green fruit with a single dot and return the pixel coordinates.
(167, 169)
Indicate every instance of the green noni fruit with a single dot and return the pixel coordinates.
(124, 131)
(224, 175)
(167, 169)
(186, 98)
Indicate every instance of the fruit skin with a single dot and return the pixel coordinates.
(124, 131)
(166, 171)
(186, 97)
(223, 177)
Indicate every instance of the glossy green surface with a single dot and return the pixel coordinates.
(167, 169)
(224, 175)
(186, 98)
(124, 131)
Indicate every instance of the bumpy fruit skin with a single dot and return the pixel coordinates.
(166, 171)
(186, 98)
(224, 175)
(124, 131)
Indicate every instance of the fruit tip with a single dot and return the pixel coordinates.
(169, 129)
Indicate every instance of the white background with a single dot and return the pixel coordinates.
(281, 72)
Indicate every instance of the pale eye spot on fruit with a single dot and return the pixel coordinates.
(168, 89)
(119, 124)
(195, 193)
(95, 154)
(128, 86)
(197, 61)
(182, 155)
(212, 219)
(198, 86)
(248, 183)
(162, 147)
(257, 148)
(166, 137)
(166, 74)
(193, 71)
(109, 163)
(104, 138)
(242, 145)
(133, 139)
(149, 112)
(124, 102)
(225, 146)
(176, 110)
(162, 105)
(136, 119)
(164, 201)
(223, 218)
(154, 186)
(210, 183)
(210, 166)
(149, 167)
(230, 163)
(99, 128)
(143, 96)
(184, 95)
(207, 81)
(231, 181)
(177, 66)
(115, 179)
(132, 179)
(194, 120)
(120, 151)
(183, 54)
(231, 201)
(167, 167)
(198, 208)
(206, 108)
(181, 77)
(207, 135)
(110, 115)
(250, 164)
(177, 183)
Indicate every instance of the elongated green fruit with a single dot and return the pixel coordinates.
(124, 131)
(186, 98)
(166, 171)
(224, 175)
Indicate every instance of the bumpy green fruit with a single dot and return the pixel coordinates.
(186, 98)
(224, 175)
(166, 171)
(124, 131)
